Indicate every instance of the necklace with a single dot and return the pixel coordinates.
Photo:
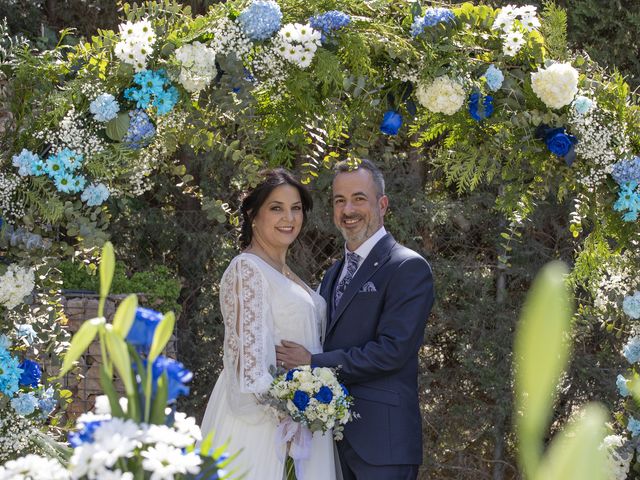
(284, 269)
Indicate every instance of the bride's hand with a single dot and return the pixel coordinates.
(291, 354)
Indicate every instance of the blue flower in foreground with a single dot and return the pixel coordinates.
(432, 17)
(95, 194)
(628, 199)
(77, 183)
(621, 383)
(140, 131)
(626, 171)
(290, 373)
(582, 104)
(631, 350)
(24, 161)
(31, 373)
(631, 305)
(329, 21)
(494, 78)
(24, 404)
(64, 182)
(144, 326)
(261, 19)
(54, 166)
(10, 373)
(558, 142)
(477, 110)
(104, 107)
(166, 100)
(71, 160)
(26, 332)
(324, 395)
(177, 375)
(47, 402)
(391, 122)
(301, 400)
(85, 435)
(38, 168)
(633, 426)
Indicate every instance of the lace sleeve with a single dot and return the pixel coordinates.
(247, 355)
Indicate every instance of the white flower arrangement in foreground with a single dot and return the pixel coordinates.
(556, 85)
(15, 284)
(198, 66)
(34, 467)
(443, 95)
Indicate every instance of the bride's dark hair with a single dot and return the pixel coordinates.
(255, 197)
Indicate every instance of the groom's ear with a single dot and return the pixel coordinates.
(383, 204)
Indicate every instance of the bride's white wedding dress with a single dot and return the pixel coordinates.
(261, 307)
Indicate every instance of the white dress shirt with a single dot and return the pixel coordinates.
(363, 250)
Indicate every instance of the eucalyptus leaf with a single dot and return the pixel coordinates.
(117, 128)
(541, 354)
(80, 342)
(162, 335)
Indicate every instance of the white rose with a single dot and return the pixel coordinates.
(556, 85)
(443, 95)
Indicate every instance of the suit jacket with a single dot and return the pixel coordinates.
(374, 336)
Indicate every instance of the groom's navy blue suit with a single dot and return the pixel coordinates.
(374, 335)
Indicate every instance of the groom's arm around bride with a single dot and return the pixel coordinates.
(378, 300)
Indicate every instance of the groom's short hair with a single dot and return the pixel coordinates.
(364, 164)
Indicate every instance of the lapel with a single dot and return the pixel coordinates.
(328, 284)
(376, 258)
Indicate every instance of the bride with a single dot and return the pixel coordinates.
(263, 302)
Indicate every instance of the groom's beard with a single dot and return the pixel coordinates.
(358, 237)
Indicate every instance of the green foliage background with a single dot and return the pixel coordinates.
(466, 379)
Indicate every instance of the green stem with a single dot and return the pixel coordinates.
(147, 393)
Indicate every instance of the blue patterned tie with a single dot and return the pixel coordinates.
(352, 265)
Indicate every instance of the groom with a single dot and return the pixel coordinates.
(378, 300)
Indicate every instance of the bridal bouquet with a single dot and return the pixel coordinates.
(314, 398)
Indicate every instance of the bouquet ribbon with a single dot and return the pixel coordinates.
(300, 438)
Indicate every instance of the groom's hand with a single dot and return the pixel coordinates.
(291, 354)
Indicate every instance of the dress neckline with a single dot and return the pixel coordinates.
(305, 288)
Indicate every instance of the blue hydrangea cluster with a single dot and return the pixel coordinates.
(95, 194)
(494, 78)
(478, 110)
(10, 370)
(621, 383)
(628, 202)
(261, 19)
(62, 168)
(633, 426)
(140, 131)
(432, 17)
(626, 171)
(154, 89)
(329, 21)
(46, 402)
(104, 107)
(25, 162)
(24, 403)
(631, 305)
(631, 350)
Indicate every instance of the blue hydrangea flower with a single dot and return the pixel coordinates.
(432, 17)
(47, 402)
(85, 435)
(391, 122)
(24, 161)
(177, 375)
(329, 21)
(104, 107)
(31, 373)
(261, 19)
(582, 104)
(631, 350)
(26, 332)
(301, 400)
(626, 171)
(633, 426)
(64, 182)
(140, 131)
(494, 78)
(477, 110)
(10, 373)
(95, 194)
(631, 305)
(24, 404)
(621, 383)
(324, 395)
(144, 326)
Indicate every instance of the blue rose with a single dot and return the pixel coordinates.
(144, 326)
(85, 435)
(324, 395)
(560, 143)
(301, 400)
(177, 375)
(290, 373)
(31, 373)
(391, 122)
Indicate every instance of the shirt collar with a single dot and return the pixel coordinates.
(364, 249)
